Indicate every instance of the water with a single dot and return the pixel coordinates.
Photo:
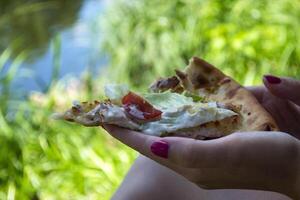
(79, 46)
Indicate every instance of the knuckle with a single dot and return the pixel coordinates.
(233, 156)
(188, 157)
(145, 145)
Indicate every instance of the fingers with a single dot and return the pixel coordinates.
(152, 147)
(172, 151)
(285, 88)
(258, 92)
(190, 153)
(133, 139)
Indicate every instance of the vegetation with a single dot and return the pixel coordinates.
(45, 159)
(244, 38)
(30, 24)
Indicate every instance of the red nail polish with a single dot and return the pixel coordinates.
(272, 79)
(160, 148)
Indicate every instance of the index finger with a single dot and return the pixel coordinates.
(182, 152)
(285, 88)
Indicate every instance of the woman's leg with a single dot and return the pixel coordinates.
(149, 180)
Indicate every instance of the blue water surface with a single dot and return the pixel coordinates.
(80, 51)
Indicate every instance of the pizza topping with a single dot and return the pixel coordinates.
(76, 110)
(138, 108)
(179, 117)
(196, 98)
(164, 84)
(150, 113)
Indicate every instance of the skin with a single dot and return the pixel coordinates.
(268, 161)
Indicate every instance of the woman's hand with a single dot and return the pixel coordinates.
(248, 160)
(281, 97)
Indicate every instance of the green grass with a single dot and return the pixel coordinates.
(45, 159)
(54, 160)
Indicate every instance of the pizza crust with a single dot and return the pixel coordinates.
(207, 81)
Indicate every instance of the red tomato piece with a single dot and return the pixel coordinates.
(139, 108)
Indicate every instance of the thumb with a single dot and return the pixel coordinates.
(285, 88)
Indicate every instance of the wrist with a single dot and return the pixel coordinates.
(297, 182)
(291, 186)
(295, 194)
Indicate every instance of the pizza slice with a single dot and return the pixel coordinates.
(200, 102)
(203, 79)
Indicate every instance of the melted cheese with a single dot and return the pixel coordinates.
(178, 112)
(187, 116)
(172, 119)
(113, 114)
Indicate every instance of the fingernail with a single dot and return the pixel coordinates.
(272, 79)
(160, 148)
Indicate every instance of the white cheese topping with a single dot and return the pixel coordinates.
(178, 112)
(186, 117)
(113, 114)
(172, 119)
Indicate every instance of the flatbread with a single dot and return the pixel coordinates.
(205, 80)
(244, 113)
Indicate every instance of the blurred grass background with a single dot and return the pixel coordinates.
(45, 159)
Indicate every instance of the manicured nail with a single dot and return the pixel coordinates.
(160, 148)
(272, 79)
